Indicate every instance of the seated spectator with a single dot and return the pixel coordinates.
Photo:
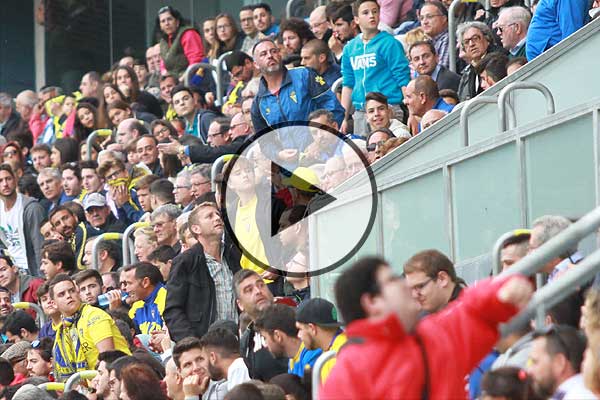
(147, 107)
(140, 382)
(432, 280)
(39, 359)
(507, 383)
(375, 139)
(316, 55)
(380, 310)
(197, 117)
(163, 223)
(94, 330)
(555, 363)
(492, 69)
(380, 115)
(514, 346)
(66, 223)
(22, 287)
(117, 178)
(221, 348)
(420, 96)
(161, 193)
(52, 313)
(20, 326)
(71, 181)
(319, 25)
(425, 61)
(89, 283)
(99, 216)
(142, 190)
(144, 243)
(50, 181)
(192, 365)
(514, 249)
(57, 258)
(101, 382)
(147, 150)
(334, 173)
(90, 180)
(512, 25)
(449, 96)
(16, 354)
(218, 132)
(143, 284)
(128, 131)
(162, 258)
(292, 386)
(109, 255)
(277, 324)
(264, 20)
(431, 117)
(476, 38)
(40, 156)
(295, 32)
(515, 64)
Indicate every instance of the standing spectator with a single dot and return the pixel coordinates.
(241, 69)
(182, 190)
(162, 258)
(372, 61)
(295, 32)
(20, 222)
(434, 21)
(228, 34)
(22, 287)
(476, 39)
(90, 85)
(147, 150)
(180, 44)
(300, 91)
(277, 324)
(222, 351)
(10, 122)
(253, 296)
(397, 347)
(51, 311)
(164, 225)
(421, 95)
(71, 181)
(143, 283)
(512, 26)
(344, 28)
(89, 283)
(425, 61)
(264, 20)
(432, 280)
(555, 363)
(90, 180)
(552, 22)
(247, 24)
(86, 331)
(318, 328)
(316, 55)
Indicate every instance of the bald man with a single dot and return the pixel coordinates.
(25, 103)
(431, 117)
(319, 24)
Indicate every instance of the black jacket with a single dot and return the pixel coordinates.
(191, 297)
(261, 363)
(204, 154)
(447, 79)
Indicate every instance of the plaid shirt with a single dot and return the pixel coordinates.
(223, 278)
(440, 42)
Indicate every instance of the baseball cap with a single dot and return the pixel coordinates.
(304, 179)
(317, 311)
(94, 200)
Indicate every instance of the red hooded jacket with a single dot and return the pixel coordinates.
(385, 362)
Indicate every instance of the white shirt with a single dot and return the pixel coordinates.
(574, 389)
(11, 229)
(237, 373)
(400, 130)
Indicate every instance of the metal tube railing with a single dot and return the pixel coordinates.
(220, 91)
(316, 372)
(127, 242)
(52, 386)
(288, 9)
(216, 168)
(464, 114)
(186, 75)
(101, 238)
(557, 245)
(335, 86)
(90, 140)
(76, 377)
(559, 289)
(23, 305)
(499, 245)
(452, 34)
(503, 100)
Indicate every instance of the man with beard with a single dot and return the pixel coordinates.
(76, 234)
(20, 221)
(277, 325)
(253, 296)
(221, 349)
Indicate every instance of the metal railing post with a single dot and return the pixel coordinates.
(557, 245)
(452, 34)
(76, 377)
(288, 9)
(216, 168)
(503, 99)
(316, 372)
(23, 305)
(186, 75)
(128, 255)
(497, 251)
(220, 90)
(101, 238)
(90, 140)
(464, 114)
(336, 84)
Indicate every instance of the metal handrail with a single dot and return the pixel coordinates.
(220, 91)
(557, 245)
(127, 243)
(452, 35)
(316, 372)
(76, 377)
(559, 289)
(52, 386)
(186, 75)
(499, 245)
(216, 168)
(335, 85)
(101, 238)
(23, 305)
(288, 9)
(464, 114)
(503, 100)
(90, 140)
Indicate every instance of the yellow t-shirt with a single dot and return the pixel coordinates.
(246, 232)
(338, 342)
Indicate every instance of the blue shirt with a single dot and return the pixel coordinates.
(272, 30)
(147, 313)
(303, 357)
(442, 105)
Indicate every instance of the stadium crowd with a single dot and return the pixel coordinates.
(194, 312)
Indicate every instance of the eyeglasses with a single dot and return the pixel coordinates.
(420, 286)
(218, 133)
(501, 28)
(236, 125)
(10, 153)
(181, 187)
(114, 175)
(223, 27)
(472, 39)
(428, 17)
(318, 24)
(200, 183)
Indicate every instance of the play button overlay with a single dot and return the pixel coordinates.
(284, 194)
